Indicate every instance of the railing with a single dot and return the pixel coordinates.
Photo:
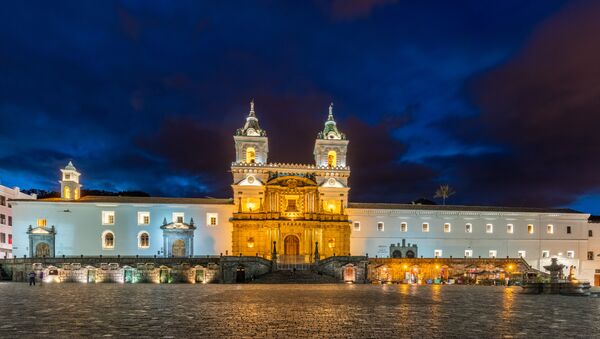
(290, 262)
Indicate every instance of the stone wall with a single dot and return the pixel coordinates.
(249, 267)
(345, 268)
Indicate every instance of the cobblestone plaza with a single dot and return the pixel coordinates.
(250, 311)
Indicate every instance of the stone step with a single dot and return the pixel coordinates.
(299, 277)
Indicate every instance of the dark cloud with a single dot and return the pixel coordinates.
(541, 108)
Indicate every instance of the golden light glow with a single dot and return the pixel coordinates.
(405, 266)
(510, 267)
(331, 243)
(67, 192)
(250, 155)
(250, 242)
(437, 267)
(331, 159)
(251, 206)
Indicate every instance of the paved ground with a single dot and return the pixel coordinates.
(238, 311)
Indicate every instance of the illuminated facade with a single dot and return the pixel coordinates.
(290, 209)
(298, 212)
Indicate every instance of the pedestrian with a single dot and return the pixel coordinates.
(31, 278)
(41, 277)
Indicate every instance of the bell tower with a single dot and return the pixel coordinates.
(251, 142)
(70, 188)
(331, 145)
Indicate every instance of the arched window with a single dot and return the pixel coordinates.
(250, 155)
(108, 240)
(144, 240)
(67, 192)
(331, 159)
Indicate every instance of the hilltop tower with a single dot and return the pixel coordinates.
(70, 188)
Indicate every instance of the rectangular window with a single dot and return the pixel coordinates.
(403, 227)
(178, 217)
(425, 227)
(2, 219)
(212, 219)
(469, 228)
(380, 226)
(437, 253)
(545, 254)
(590, 255)
(3, 238)
(41, 222)
(9, 220)
(489, 228)
(357, 226)
(590, 233)
(108, 217)
(510, 228)
(447, 228)
(468, 253)
(493, 253)
(521, 254)
(2, 200)
(550, 229)
(530, 229)
(571, 254)
(143, 218)
(10, 239)
(568, 229)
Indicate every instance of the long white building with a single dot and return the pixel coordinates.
(296, 210)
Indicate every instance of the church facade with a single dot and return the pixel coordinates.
(295, 213)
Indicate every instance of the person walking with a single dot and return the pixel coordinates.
(31, 278)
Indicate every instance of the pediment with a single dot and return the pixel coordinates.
(332, 182)
(250, 181)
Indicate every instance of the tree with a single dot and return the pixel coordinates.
(444, 192)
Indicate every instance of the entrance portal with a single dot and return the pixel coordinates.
(291, 245)
(42, 250)
(410, 254)
(240, 274)
(397, 254)
(178, 249)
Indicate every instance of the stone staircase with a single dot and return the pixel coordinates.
(299, 277)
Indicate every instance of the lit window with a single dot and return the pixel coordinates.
(447, 228)
(469, 228)
(489, 228)
(571, 254)
(530, 229)
(510, 229)
(357, 226)
(437, 253)
(380, 226)
(10, 239)
(545, 254)
(250, 155)
(521, 254)
(493, 253)
(212, 219)
(108, 217)
(568, 229)
(403, 227)
(144, 240)
(178, 217)
(331, 159)
(108, 240)
(468, 253)
(143, 218)
(41, 222)
(550, 229)
(425, 227)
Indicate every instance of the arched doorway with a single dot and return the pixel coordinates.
(397, 254)
(42, 250)
(349, 273)
(410, 254)
(291, 245)
(240, 274)
(178, 248)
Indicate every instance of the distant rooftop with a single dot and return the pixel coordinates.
(138, 200)
(458, 208)
(594, 219)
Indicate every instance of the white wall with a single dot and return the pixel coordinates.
(370, 240)
(7, 212)
(79, 227)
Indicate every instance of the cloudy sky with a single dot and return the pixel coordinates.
(499, 99)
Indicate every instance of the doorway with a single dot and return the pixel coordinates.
(291, 245)
(178, 248)
(240, 274)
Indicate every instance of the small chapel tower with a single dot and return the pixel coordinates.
(331, 145)
(251, 142)
(70, 188)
